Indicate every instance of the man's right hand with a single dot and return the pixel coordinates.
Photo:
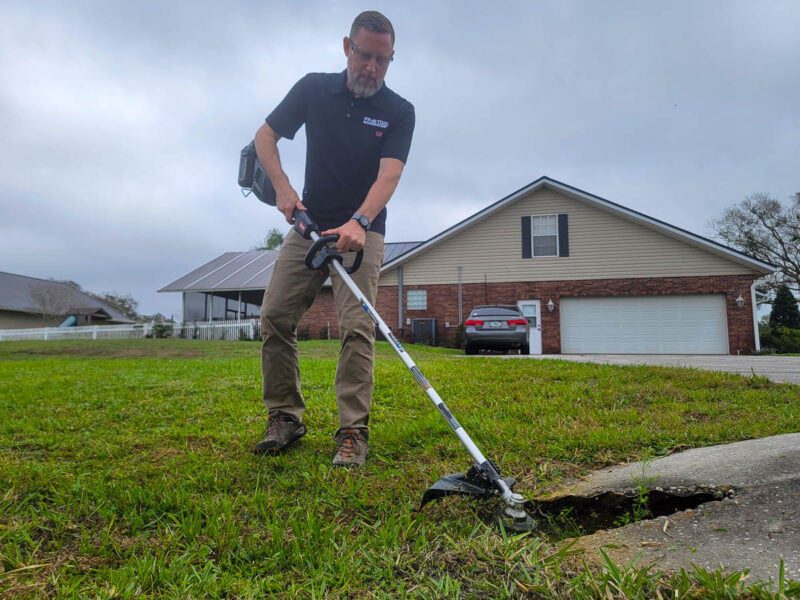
(287, 201)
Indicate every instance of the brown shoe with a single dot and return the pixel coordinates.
(351, 448)
(283, 431)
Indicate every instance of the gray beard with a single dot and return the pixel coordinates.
(361, 90)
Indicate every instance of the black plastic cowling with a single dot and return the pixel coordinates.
(252, 176)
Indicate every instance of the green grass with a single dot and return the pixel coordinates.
(126, 471)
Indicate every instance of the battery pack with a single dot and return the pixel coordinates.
(253, 178)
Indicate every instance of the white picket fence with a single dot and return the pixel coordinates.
(200, 330)
(218, 330)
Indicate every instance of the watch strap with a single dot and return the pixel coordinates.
(362, 220)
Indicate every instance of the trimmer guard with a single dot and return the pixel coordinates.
(460, 484)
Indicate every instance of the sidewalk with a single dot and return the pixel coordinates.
(781, 369)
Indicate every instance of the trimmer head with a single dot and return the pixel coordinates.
(509, 517)
(512, 519)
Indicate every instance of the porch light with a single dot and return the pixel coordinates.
(740, 301)
(550, 305)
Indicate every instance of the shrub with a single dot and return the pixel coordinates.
(780, 339)
(785, 339)
(162, 330)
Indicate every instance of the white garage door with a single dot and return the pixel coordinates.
(646, 325)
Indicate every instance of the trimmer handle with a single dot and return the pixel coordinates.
(303, 224)
(320, 254)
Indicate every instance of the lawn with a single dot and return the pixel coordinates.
(126, 471)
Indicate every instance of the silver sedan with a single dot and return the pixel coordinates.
(496, 327)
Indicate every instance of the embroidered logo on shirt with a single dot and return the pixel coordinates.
(378, 133)
(375, 122)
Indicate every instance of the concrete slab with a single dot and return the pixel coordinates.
(754, 529)
(781, 369)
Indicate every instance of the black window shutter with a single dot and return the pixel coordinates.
(563, 235)
(527, 251)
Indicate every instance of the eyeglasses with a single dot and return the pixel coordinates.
(381, 61)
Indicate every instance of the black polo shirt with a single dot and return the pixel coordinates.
(346, 138)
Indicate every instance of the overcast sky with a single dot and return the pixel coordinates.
(122, 122)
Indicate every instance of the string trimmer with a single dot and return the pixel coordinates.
(483, 479)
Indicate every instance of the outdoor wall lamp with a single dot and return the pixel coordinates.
(550, 305)
(740, 301)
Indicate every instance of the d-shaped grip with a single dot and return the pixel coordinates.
(320, 254)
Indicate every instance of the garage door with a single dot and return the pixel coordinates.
(646, 325)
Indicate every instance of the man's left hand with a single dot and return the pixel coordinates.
(352, 236)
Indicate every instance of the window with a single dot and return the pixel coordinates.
(544, 231)
(194, 306)
(545, 235)
(417, 299)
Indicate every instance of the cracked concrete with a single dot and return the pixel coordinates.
(753, 529)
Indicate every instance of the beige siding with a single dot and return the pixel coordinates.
(602, 245)
(10, 319)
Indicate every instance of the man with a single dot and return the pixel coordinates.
(358, 136)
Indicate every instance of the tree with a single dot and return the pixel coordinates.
(50, 301)
(272, 241)
(124, 304)
(767, 230)
(784, 310)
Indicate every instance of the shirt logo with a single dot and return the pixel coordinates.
(375, 122)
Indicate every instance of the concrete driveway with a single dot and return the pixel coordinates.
(782, 369)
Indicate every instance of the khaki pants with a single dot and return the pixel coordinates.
(291, 291)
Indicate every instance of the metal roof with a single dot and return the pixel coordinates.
(18, 293)
(395, 249)
(234, 271)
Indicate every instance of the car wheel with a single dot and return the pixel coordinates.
(470, 349)
(526, 349)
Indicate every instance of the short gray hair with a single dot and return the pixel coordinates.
(373, 21)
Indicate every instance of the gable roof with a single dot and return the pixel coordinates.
(252, 270)
(596, 201)
(18, 293)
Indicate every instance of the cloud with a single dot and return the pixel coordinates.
(123, 123)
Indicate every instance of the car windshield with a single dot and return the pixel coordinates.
(500, 311)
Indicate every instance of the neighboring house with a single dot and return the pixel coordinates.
(28, 302)
(592, 276)
(232, 285)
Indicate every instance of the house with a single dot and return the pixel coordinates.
(28, 302)
(590, 275)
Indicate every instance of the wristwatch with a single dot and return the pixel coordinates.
(362, 220)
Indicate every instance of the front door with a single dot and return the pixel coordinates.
(532, 311)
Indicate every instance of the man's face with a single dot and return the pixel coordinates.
(368, 56)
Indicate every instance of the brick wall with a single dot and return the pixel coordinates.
(443, 304)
